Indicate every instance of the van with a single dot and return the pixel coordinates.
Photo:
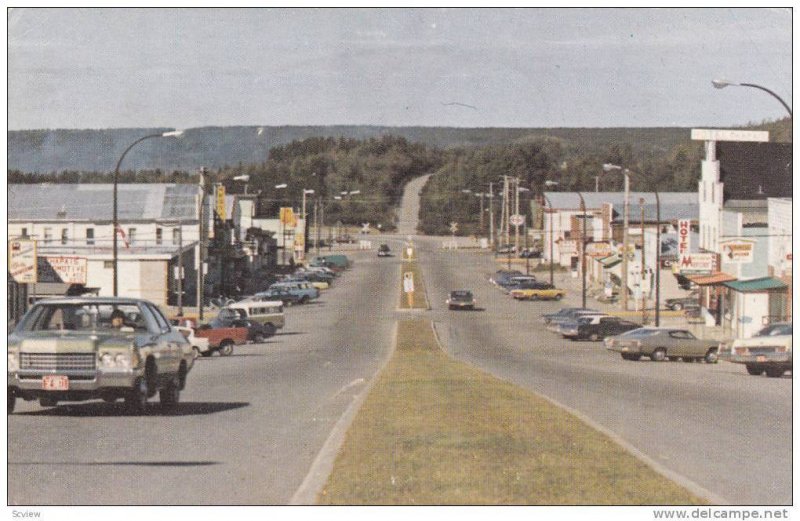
(269, 312)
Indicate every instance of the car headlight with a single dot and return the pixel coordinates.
(120, 360)
(13, 361)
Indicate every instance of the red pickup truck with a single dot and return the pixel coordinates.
(221, 339)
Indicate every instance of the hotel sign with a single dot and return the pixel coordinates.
(697, 263)
(684, 236)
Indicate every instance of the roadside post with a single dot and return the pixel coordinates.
(408, 287)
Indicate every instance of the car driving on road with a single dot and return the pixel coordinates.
(537, 291)
(79, 348)
(461, 299)
(770, 351)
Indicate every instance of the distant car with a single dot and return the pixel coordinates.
(596, 328)
(461, 299)
(283, 295)
(506, 248)
(688, 302)
(304, 290)
(563, 313)
(503, 276)
(661, 343)
(770, 351)
(384, 251)
(530, 253)
(517, 281)
(538, 291)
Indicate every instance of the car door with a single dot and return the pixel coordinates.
(682, 344)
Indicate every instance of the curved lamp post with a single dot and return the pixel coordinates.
(721, 84)
(115, 220)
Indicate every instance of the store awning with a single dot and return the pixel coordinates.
(714, 279)
(754, 285)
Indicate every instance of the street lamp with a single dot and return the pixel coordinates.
(721, 84)
(550, 183)
(115, 219)
(583, 251)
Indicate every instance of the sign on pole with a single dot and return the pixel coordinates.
(408, 282)
(517, 219)
(221, 203)
(453, 227)
(738, 251)
(22, 261)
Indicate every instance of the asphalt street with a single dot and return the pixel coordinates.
(248, 426)
(724, 430)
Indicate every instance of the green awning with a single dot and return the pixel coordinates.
(608, 266)
(610, 261)
(762, 284)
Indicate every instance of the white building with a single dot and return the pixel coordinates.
(157, 222)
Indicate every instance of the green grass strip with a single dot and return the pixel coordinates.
(434, 431)
(420, 298)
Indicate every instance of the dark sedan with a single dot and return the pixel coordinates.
(461, 299)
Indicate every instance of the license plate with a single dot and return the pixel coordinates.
(55, 383)
(761, 359)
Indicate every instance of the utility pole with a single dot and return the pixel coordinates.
(201, 245)
(625, 242)
(516, 212)
(641, 284)
(491, 216)
(316, 225)
(180, 268)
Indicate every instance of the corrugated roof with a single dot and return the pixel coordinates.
(92, 202)
(762, 284)
(674, 205)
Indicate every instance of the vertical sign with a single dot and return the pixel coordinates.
(22, 261)
(221, 203)
(684, 237)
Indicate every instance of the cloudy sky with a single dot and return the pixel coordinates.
(100, 68)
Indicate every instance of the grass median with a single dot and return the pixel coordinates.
(420, 300)
(434, 431)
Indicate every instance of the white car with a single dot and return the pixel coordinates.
(198, 345)
(770, 351)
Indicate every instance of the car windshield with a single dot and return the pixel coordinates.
(776, 329)
(84, 317)
(461, 294)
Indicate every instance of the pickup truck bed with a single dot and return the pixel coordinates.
(222, 339)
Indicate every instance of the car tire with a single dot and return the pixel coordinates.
(711, 356)
(170, 395)
(594, 337)
(196, 352)
(270, 330)
(754, 370)
(226, 348)
(206, 354)
(136, 399)
(659, 355)
(559, 296)
(258, 338)
(304, 299)
(774, 372)
(631, 357)
(676, 307)
(12, 401)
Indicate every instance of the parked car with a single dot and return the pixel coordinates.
(256, 331)
(538, 291)
(384, 251)
(278, 294)
(334, 260)
(517, 281)
(530, 253)
(198, 345)
(84, 348)
(770, 351)
(556, 322)
(305, 291)
(222, 337)
(268, 313)
(506, 248)
(319, 284)
(596, 328)
(563, 313)
(690, 301)
(660, 343)
(461, 299)
(503, 276)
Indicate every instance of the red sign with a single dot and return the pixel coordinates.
(684, 237)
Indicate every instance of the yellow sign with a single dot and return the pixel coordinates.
(287, 217)
(22, 261)
(221, 203)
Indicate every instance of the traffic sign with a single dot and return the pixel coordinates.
(517, 219)
(453, 227)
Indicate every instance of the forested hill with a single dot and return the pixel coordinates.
(44, 151)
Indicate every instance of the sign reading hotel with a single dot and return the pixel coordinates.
(697, 263)
(738, 251)
(684, 236)
(67, 270)
(22, 261)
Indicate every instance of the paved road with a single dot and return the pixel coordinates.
(248, 426)
(408, 213)
(729, 432)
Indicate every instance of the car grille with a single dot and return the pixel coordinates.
(58, 361)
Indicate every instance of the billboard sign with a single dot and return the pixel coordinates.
(697, 263)
(67, 270)
(22, 261)
(739, 251)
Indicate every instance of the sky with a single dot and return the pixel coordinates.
(525, 67)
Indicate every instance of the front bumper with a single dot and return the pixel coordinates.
(83, 385)
(762, 358)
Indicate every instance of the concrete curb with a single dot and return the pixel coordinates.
(681, 480)
(321, 468)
